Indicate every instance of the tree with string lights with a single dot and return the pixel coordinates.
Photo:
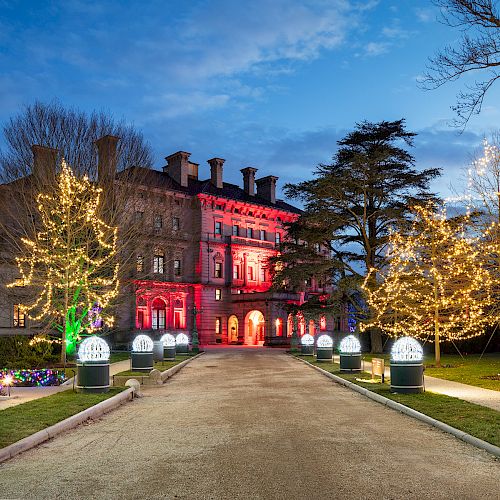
(71, 263)
(435, 286)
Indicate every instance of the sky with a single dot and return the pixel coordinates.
(270, 84)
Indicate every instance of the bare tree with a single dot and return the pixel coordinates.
(477, 51)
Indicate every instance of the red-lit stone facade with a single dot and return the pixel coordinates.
(207, 243)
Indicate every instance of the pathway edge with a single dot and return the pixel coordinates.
(468, 438)
(172, 371)
(40, 437)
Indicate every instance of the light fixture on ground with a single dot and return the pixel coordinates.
(93, 365)
(307, 345)
(168, 342)
(142, 354)
(182, 343)
(407, 370)
(350, 354)
(324, 348)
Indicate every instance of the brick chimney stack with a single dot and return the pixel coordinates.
(44, 164)
(178, 167)
(107, 158)
(266, 188)
(249, 180)
(216, 165)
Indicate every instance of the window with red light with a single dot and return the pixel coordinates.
(279, 327)
(322, 323)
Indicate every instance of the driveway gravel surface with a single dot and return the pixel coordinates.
(249, 423)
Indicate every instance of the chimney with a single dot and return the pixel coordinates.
(178, 167)
(107, 158)
(216, 165)
(249, 180)
(44, 164)
(266, 188)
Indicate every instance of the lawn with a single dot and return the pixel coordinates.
(476, 420)
(159, 365)
(25, 419)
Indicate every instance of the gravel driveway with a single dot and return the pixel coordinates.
(252, 423)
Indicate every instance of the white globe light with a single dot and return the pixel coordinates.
(182, 339)
(307, 339)
(93, 349)
(407, 349)
(324, 341)
(168, 340)
(142, 343)
(350, 344)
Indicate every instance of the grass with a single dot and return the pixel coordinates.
(159, 365)
(476, 420)
(25, 419)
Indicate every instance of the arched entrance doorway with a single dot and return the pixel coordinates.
(254, 328)
(158, 314)
(232, 330)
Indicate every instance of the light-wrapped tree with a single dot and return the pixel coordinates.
(71, 263)
(436, 286)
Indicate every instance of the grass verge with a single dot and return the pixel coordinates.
(478, 421)
(25, 419)
(159, 365)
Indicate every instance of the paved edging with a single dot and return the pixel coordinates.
(479, 443)
(69, 423)
(172, 371)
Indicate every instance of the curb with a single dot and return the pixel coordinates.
(69, 423)
(172, 371)
(474, 441)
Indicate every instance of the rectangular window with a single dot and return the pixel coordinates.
(177, 318)
(263, 234)
(140, 264)
(158, 264)
(277, 238)
(158, 221)
(219, 206)
(250, 273)
(158, 319)
(249, 232)
(236, 272)
(218, 228)
(176, 223)
(218, 269)
(262, 275)
(140, 320)
(218, 294)
(235, 230)
(177, 267)
(218, 325)
(19, 317)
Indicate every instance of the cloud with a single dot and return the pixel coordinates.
(376, 48)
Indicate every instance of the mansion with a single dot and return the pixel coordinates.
(203, 251)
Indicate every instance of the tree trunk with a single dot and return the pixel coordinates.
(376, 341)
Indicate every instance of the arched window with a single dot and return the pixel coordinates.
(158, 314)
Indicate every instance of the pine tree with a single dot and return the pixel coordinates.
(436, 286)
(70, 265)
(350, 206)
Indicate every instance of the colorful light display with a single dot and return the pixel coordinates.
(142, 343)
(350, 345)
(31, 378)
(182, 339)
(307, 339)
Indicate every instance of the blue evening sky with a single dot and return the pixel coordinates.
(270, 84)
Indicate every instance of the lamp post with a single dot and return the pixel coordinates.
(194, 334)
(295, 338)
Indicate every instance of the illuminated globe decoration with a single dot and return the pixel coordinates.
(182, 339)
(142, 343)
(407, 349)
(168, 340)
(325, 341)
(93, 349)
(350, 344)
(307, 339)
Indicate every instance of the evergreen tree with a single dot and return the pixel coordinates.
(350, 207)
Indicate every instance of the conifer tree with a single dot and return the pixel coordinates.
(350, 206)
(435, 287)
(70, 265)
